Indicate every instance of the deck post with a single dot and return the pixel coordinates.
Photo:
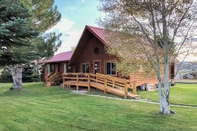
(77, 81)
(134, 88)
(105, 85)
(125, 90)
(88, 82)
(113, 84)
(63, 81)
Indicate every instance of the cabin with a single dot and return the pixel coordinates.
(89, 56)
(54, 67)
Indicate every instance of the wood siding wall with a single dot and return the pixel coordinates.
(58, 67)
(88, 56)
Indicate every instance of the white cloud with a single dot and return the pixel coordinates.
(63, 26)
(82, 0)
(70, 41)
(69, 36)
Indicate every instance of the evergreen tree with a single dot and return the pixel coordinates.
(41, 16)
(30, 73)
(6, 75)
(45, 15)
(15, 32)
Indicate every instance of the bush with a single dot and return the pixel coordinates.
(173, 84)
(6, 75)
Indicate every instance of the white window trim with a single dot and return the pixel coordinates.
(48, 69)
(65, 69)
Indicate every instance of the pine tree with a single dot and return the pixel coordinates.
(23, 47)
(30, 73)
(15, 31)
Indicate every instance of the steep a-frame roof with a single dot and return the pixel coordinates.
(88, 32)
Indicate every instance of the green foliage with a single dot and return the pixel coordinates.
(158, 23)
(30, 73)
(15, 32)
(37, 107)
(44, 16)
(6, 75)
(20, 24)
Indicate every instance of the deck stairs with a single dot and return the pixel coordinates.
(51, 78)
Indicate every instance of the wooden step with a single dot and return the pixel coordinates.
(48, 84)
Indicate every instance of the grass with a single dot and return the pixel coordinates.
(182, 94)
(42, 108)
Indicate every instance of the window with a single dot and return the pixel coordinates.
(85, 68)
(69, 69)
(52, 68)
(96, 50)
(110, 68)
(59, 68)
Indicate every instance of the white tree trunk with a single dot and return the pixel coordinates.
(166, 103)
(160, 92)
(16, 71)
(165, 40)
(164, 94)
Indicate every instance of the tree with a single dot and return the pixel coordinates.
(15, 34)
(6, 75)
(30, 73)
(41, 16)
(150, 30)
(44, 16)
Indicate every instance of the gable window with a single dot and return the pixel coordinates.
(85, 68)
(110, 68)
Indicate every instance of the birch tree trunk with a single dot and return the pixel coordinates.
(166, 103)
(160, 90)
(16, 71)
(166, 109)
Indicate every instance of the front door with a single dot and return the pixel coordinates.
(97, 67)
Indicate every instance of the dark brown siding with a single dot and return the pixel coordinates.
(88, 55)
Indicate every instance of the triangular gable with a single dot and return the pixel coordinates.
(86, 35)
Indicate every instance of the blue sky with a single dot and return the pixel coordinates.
(75, 15)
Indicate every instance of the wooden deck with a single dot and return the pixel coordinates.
(139, 79)
(102, 82)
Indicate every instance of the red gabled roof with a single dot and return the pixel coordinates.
(64, 56)
(98, 32)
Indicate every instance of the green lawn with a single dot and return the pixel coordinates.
(182, 94)
(40, 108)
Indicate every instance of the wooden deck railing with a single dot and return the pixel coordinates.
(48, 76)
(51, 78)
(103, 82)
(139, 79)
